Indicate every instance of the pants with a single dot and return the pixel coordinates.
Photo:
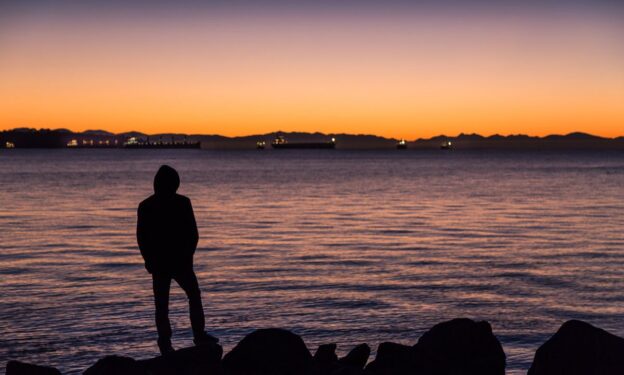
(187, 280)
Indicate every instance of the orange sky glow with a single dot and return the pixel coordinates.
(401, 75)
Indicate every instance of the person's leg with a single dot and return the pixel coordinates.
(188, 281)
(161, 284)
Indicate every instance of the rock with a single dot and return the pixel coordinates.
(325, 359)
(269, 351)
(204, 359)
(460, 346)
(326, 353)
(115, 365)
(393, 359)
(456, 347)
(580, 348)
(21, 368)
(357, 357)
(345, 370)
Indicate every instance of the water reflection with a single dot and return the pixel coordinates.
(345, 247)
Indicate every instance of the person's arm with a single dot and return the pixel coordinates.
(143, 238)
(192, 225)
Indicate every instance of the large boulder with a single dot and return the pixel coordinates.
(393, 359)
(204, 359)
(325, 359)
(269, 351)
(21, 368)
(115, 365)
(326, 353)
(580, 348)
(351, 364)
(357, 357)
(460, 347)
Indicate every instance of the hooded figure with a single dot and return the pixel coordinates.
(166, 181)
(166, 228)
(167, 237)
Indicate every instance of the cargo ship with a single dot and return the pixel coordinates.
(281, 143)
(90, 143)
(401, 145)
(133, 142)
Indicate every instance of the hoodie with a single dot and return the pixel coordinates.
(166, 229)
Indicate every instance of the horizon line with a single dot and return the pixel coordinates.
(321, 133)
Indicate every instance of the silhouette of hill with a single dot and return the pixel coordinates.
(58, 138)
(97, 132)
(572, 141)
(132, 134)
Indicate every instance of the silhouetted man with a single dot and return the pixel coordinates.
(167, 236)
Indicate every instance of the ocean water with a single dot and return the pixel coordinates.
(338, 246)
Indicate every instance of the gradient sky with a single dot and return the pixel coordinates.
(390, 68)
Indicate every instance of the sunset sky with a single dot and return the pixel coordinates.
(389, 68)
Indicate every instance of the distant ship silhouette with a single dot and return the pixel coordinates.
(281, 143)
(133, 142)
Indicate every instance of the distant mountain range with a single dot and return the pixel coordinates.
(58, 138)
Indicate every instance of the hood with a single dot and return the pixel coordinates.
(166, 181)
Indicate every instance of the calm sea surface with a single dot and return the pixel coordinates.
(339, 246)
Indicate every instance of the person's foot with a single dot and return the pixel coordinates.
(165, 347)
(205, 338)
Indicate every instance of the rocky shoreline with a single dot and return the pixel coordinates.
(455, 347)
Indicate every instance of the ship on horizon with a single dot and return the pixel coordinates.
(281, 143)
(446, 145)
(133, 142)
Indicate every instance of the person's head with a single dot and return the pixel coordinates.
(166, 181)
